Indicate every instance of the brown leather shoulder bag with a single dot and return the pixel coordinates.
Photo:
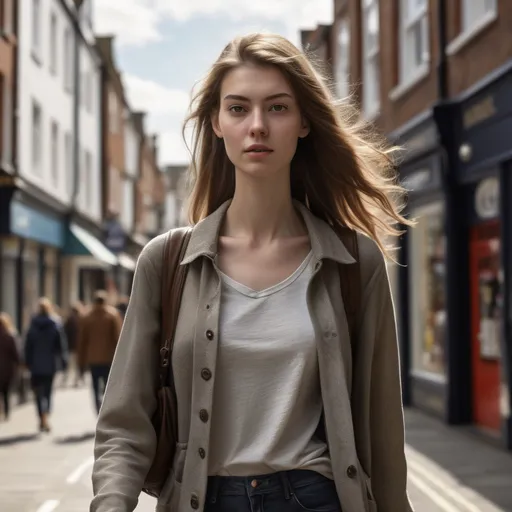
(165, 419)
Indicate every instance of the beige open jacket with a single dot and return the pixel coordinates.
(362, 398)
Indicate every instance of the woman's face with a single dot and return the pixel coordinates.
(259, 120)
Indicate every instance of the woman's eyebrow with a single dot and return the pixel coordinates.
(271, 97)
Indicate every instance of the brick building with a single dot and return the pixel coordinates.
(436, 78)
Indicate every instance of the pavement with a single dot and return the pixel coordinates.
(449, 469)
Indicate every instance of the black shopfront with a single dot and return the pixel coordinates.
(456, 286)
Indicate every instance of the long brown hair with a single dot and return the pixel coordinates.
(342, 171)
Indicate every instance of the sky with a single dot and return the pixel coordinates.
(164, 47)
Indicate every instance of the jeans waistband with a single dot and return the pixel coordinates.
(281, 481)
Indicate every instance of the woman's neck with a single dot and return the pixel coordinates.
(262, 210)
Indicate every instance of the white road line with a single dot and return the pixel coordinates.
(432, 494)
(48, 506)
(423, 469)
(79, 471)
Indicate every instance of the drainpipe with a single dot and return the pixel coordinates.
(442, 64)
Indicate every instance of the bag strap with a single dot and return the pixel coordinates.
(350, 282)
(173, 282)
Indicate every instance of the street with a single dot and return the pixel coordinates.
(46, 473)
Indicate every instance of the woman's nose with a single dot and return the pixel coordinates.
(258, 124)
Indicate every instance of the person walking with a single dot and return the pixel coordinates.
(46, 353)
(9, 360)
(286, 398)
(72, 329)
(97, 340)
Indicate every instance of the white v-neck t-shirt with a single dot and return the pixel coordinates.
(267, 400)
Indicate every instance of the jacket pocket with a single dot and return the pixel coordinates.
(170, 495)
(369, 498)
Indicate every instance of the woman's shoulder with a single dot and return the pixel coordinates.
(151, 256)
(371, 259)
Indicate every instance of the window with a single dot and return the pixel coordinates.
(113, 112)
(68, 162)
(6, 121)
(6, 16)
(371, 53)
(53, 43)
(427, 291)
(88, 179)
(68, 60)
(415, 52)
(36, 28)
(55, 153)
(343, 58)
(37, 135)
(475, 11)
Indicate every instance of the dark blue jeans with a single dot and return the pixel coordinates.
(99, 376)
(286, 491)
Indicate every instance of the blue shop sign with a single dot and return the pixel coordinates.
(115, 237)
(30, 223)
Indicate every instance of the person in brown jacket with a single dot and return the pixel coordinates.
(97, 340)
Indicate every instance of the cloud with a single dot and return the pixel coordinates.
(154, 98)
(136, 22)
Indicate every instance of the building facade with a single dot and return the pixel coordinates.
(436, 78)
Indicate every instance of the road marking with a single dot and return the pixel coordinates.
(423, 470)
(48, 506)
(431, 493)
(79, 471)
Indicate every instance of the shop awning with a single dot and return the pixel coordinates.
(125, 261)
(81, 243)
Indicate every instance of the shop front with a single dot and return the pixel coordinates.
(484, 158)
(421, 276)
(31, 240)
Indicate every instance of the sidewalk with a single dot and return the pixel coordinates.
(454, 462)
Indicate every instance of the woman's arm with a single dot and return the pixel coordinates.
(125, 437)
(388, 463)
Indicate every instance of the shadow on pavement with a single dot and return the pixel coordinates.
(75, 439)
(19, 438)
(471, 460)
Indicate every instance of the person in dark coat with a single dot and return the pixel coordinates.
(71, 328)
(9, 360)
(46, 353)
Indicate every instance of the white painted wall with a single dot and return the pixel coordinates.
(36, 82)
(89, 190)
(131, 160)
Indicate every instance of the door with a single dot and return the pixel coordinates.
(486, 309)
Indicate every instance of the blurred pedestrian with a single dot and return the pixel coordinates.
(284, 392)
(71, 328)
(97, 340)
(122, 305)
(9, 360)
(46, 353)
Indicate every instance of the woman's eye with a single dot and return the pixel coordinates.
(237, 109)
(278, 108)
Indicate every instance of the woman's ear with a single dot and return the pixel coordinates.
(215, 123)
(304, 129)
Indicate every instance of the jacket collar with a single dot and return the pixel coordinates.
(325, 244)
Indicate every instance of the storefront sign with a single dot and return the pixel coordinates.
(479, 112)
(34, 225)
(487, 198)
(115, 237)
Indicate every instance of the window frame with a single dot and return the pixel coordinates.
(37, 136)
(54, 143)
(36, 31)
(371, 57)
(467, 22)
(53, 42)
(342, 65)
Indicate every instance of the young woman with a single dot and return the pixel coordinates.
(9, 360)
(262, 350)
(46, 353)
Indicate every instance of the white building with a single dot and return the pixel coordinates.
(46, 97)
(89, 113)
(132, 144)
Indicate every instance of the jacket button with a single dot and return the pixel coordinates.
(194, 502)
(206, 374)
(203, 414)
(209, 334)
(351, 471)
(202, 453)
